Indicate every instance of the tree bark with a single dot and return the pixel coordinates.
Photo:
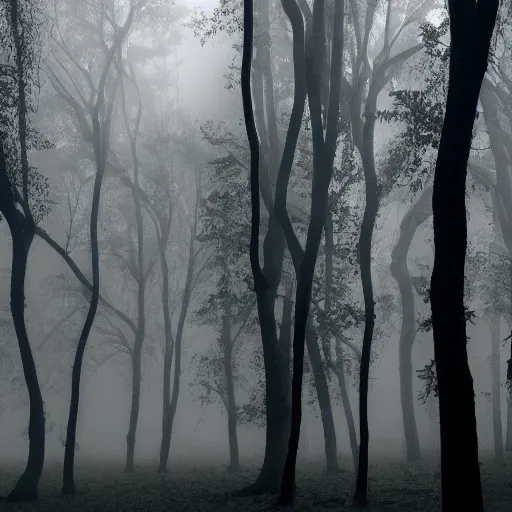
(418, 213)
(171, 408)
(323, 157)
(324, 400)
(68, 476)
(347, 408)
(234, 457)
(135, 405)
(266, 282)
(22, 234)
(471, 28)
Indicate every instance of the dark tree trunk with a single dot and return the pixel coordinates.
(323, 157)
(135, 405)
(418, 213)
(68, 476)
(365, 264)
(265, 285)
(26, 486)
(471, 28)
(347, 408)
(324, 400)
(22, 234)
(296, 251)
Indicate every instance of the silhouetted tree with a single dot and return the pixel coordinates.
(471, 28)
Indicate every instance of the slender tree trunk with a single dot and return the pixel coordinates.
(323, 156)
(496, 388)
(135, 405)
(26, 486)
(234, 458)
(418, 213)
(365, 264)
(347, 408)
(324, 400)
(171, 408)
(471, 28)
(68, 477)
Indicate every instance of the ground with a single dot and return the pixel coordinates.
(393, 487)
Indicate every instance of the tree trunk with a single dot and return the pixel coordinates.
(345, 400)
(171, 407)
(508, 441)
(26, 486)
(234, 458)
(135, 405)
(418, 213)
(68, 477)
(323, 156)
(324, 400)
(496, 388)
(266, 282)
(365, 263)
(22, 233)
(471, 28)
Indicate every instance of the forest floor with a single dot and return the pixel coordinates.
(393, 487)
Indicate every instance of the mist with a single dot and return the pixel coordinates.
(153, 344)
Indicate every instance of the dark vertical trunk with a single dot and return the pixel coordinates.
(471, 28)
(265, 285)
(168, 355)
(26, 486)
(365, 264)
(324, 400)
(285, 333)
(22, 234)
(22, 228)
(234, 458)
(323, 157)
(347, 408)
(135, 405)
(496, 388)
(68, 477)
(418, 213)
(163, 229)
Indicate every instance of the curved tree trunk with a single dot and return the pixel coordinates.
(22, 234)
(365, 263)
(418, 213)
(135, 404)
(68, 477)
(171, 407)
(323, 156)
(347, 408)
(471, 28)
(324, 400)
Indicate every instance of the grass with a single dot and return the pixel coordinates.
(393, 486)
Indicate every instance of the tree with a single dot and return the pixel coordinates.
(324, 149)
(22, 26)
(95, 116)
(471, 29)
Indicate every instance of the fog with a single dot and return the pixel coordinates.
(168, 137)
